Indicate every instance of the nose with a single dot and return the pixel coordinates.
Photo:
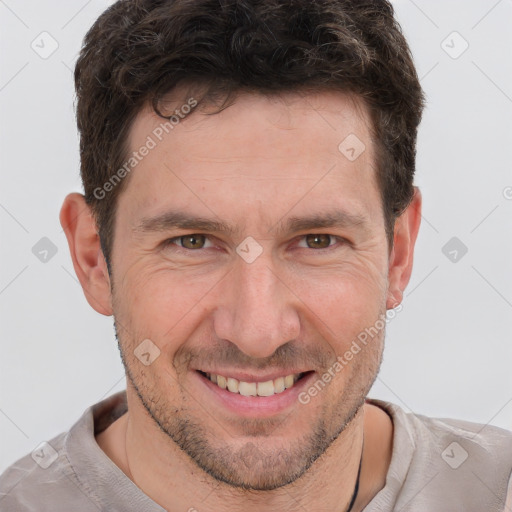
(257, 311)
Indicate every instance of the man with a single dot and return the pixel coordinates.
(249, 220)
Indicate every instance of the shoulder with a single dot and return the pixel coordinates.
(72, 472)
(448, 464)
(458, 441)
(43, 480)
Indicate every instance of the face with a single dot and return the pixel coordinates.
(251, 252)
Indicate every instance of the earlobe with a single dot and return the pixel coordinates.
(79, 226)
(394, 299)
(401, 260)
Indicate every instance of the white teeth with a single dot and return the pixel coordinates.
(221, 382)
(247, 388)
(268, 388)
(232, 385)
(279, 385)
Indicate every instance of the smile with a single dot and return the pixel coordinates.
(253, 395)
(267, 388)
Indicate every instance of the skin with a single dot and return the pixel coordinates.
(298, 306)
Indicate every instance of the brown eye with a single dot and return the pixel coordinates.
(318, 241)
(193, 241)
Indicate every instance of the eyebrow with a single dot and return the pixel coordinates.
(180, 220)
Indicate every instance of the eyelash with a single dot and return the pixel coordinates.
(341, 241)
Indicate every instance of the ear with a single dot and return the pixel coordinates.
(401, 259)
(79, 225)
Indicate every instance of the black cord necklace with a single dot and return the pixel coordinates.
(356, 488)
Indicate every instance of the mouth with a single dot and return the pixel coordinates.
(253, 397)
(267, 388)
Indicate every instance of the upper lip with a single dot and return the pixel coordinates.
(252, 377)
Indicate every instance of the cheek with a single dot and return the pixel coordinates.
(165, 303)
(344, 299)
(161, 303)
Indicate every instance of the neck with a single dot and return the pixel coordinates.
(171, 479)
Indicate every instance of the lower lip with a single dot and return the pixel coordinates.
(256, 406)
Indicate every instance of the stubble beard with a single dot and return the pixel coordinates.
(252, 464)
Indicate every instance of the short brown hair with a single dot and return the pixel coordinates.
(137, 51)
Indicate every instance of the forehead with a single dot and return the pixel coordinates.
(259, 150)
(310, 115)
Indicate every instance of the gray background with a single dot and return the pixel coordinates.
(448, 352)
